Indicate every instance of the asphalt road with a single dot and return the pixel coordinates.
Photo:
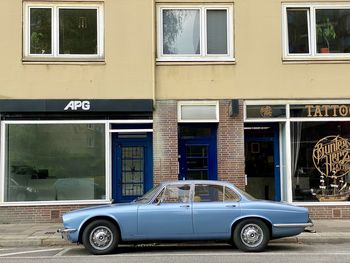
(184, 253)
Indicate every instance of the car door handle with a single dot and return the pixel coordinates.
(185, 206)
(230, 205)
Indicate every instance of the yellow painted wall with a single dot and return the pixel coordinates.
(259, 72)
(126, 73)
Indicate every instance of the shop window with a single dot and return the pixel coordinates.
(63, 31)
(316, 31)
(320, 161)
(195, 33)
(53, 162)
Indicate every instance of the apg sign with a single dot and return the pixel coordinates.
(78, 104)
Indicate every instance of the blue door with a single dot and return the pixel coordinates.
(262, 161)
(197, 152)
(132, 166)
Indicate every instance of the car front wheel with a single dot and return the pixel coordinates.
(251, 235)
(100, 237)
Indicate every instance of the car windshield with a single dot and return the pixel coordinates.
(147, 196)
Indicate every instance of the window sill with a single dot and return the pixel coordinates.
(321, 60)
(63, 61)
(194, 63)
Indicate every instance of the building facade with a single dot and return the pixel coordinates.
(101, 100)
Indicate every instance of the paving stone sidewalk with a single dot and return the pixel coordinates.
(31, 235)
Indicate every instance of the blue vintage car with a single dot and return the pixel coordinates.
(186, 211)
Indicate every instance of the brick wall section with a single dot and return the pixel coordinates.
(35, 214)
(329, 212)
(231, 145)
(165, 141)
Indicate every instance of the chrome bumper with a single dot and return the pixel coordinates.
(303, 225)
(65, 232)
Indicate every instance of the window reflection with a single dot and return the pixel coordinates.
(78, 31)
(333, 30)
(49, 162)
(181, 32)
(298, 36)
(320, 163)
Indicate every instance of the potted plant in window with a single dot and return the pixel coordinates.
(325, 32)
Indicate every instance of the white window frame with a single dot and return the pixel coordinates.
(286, 177)
(55, 7)
(197, 103)
(108, 158)
(203, 56)
(311, 10)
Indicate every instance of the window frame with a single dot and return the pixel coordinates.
(198, 103)
(311, 10)
(203, 56)
(55, 8)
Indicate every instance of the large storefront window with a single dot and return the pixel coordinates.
(54, 162)
(320, 161)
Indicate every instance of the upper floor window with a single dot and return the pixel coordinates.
(63, 31)
(316, 31)
(195, 33)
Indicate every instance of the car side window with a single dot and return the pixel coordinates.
(176, 194)
(208, 193)
(214, 193)
(230, 195)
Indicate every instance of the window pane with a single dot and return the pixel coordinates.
(333, 30)
(266, 111)
(217, 31)
(181, 32)
(78, 31)
(320, 163)
(298, 37)
(53, 162)
(230, 195)
(176, 194)
(208, 193)
(40, 31)
(198, 112)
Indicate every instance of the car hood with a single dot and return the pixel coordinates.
(95, 210)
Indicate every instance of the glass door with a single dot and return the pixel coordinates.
(132, 166)
(197, 153)
(262, 161)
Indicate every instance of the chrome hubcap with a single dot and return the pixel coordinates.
(101, 237)
(252, 235)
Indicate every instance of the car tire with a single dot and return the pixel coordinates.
(100, 237)
(251, 235)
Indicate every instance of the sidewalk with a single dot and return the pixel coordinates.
(31, 235)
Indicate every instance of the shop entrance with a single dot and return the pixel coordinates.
(262, 161)
(132, 165)
(197, 152)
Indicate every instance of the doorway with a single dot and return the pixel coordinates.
(262, 161)
(197, 152)
(131, 165)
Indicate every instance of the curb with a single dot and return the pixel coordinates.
(314, 238)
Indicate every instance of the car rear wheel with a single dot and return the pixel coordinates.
(100, 237)
(251, 235)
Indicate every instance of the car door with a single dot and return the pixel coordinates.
(215, 207)
(169, 216)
